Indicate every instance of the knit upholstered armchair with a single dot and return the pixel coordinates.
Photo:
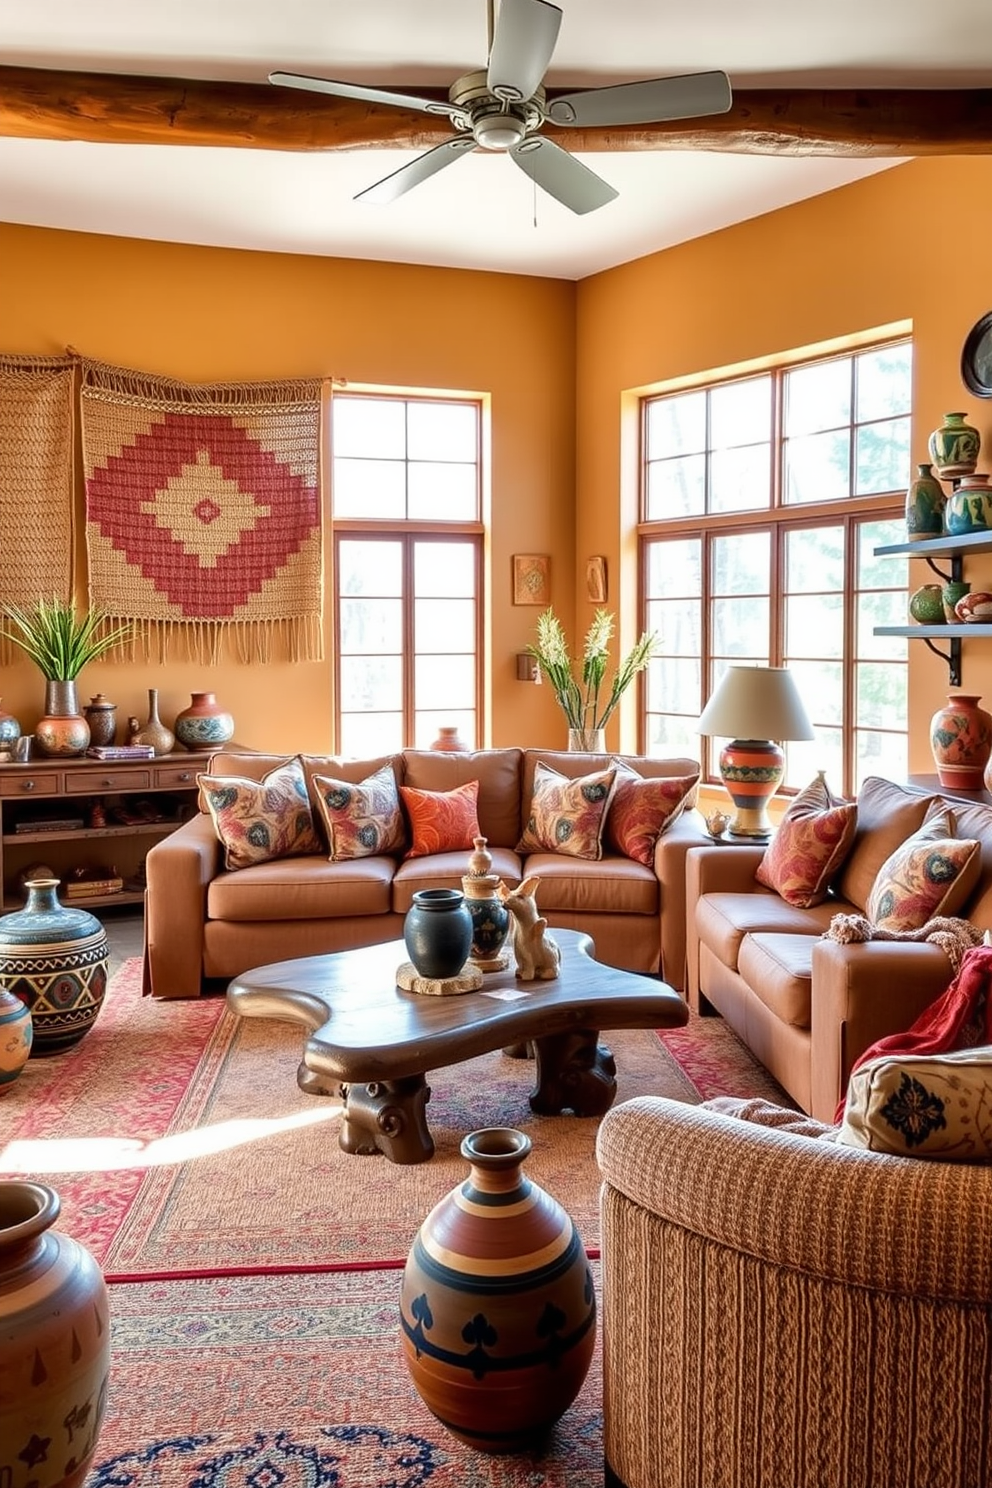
(783, 1312)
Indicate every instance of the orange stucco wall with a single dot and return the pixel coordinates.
(910, 245)
(559, 363)
(218, 315)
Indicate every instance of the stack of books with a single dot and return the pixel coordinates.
(49, 824)
(120, 751)
(90, 888)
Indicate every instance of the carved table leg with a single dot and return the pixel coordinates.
(574, 1073)
(387, 1116)
(313, 1084)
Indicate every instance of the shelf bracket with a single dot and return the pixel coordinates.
(955, 573)
(952, 657)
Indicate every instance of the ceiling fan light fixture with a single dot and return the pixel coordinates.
(498, 131)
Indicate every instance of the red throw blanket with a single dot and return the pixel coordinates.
(961, 1017)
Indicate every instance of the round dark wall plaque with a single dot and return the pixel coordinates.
(976, 358)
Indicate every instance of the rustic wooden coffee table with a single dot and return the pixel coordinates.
(372, 1043)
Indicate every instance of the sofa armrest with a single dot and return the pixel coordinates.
(863, 992)
(713, 869)
(178, 870)
(670, 853)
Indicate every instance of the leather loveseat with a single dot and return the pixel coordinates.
(203, 921)
(809, 1006)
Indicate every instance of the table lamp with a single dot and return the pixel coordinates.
(752, 706)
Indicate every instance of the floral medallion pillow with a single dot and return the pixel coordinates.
(809, 846)
(642, 809)
(442, 821)
(567, 815)
(257, 820)
(931, 873)
(364, 819)
(922, 1105)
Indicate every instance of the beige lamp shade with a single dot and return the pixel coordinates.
(752, 707)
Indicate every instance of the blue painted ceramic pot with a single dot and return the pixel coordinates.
(15, 1038)
(55, 960)
(10, 729)
(438, 932)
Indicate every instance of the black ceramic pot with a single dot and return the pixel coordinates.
(438, 932)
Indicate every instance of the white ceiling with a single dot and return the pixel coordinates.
(481, 212)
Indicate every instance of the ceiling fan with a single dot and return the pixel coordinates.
(503, 106)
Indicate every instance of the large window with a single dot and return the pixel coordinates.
(406, 498)
(763, 499)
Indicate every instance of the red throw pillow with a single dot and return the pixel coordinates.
(441, 821)
(642, 809)
(808, 846)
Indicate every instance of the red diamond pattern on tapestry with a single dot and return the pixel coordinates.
(205, 517)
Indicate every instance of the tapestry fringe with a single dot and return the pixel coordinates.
(103, 381)
(211, 642)
(13, 363)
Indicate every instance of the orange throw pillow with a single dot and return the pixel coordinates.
(642, 809)
(441, 821)
(808, 846)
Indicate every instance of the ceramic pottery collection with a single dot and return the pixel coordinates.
(54, 1345)
(497, 1306)
(101, 716)
(63, 731)
(954, 447)
(204, 724)
(961, 741)
(969, 507)
(438, 932)
(924, 505)
(54, 960)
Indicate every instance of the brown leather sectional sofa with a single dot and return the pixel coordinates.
(807, 1007)
(203, 922)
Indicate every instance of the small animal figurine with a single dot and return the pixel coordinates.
(537, 956)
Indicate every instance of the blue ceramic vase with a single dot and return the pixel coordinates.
(55, 960)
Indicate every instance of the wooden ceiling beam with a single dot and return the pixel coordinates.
(110, 108)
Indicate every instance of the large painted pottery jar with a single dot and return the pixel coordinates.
(204, 724)
(924, 505)
(961, 741)
(497, 1305)
(437, 932)
(16, 1035)
(954, 447)
(55, 960)
(54, 1344)
(969, 507)
(63, 731)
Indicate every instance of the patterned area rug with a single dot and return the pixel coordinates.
(297, 1381)
(180, 1144)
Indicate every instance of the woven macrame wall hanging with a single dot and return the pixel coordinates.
(203, 517)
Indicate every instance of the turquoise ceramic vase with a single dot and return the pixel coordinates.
(924, 505)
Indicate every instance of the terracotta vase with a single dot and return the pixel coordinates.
(438, 932)
(10, 729)
(54, 1344)
(448, 741)
(15, 1037)
(591, 741)
(497, 1305)
(954, 447)
(924, 505)
(101, 715)
(204, 724)
(961, 741)
(154, 732)
(63, 731)
(55, 960)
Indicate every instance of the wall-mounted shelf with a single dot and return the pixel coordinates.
(955, 549)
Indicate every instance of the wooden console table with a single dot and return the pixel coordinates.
(61, 792)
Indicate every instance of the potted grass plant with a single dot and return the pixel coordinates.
(61, 640)
(579, 692)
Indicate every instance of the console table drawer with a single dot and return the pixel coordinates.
(33, 783)
(176, 777)
(88, 782)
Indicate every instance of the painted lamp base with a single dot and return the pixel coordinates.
(752, 771)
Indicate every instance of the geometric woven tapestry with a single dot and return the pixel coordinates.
(36, 429)
(203, 514)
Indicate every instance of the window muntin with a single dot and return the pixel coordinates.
(787, 577)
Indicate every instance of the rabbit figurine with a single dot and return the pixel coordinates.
(537, 955)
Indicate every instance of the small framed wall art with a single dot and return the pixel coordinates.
(531, 578)
(596, 580)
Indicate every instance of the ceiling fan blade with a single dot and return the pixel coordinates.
(649, 102)
(524, 38)
(416, 171)
(562, 176)
(361, 94)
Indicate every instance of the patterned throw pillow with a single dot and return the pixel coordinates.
(364, 819)
(922, 1105)
(808, 846)
(442, 821)
(257, 820)
(642, 809)
(567, 815)
(931, 873)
